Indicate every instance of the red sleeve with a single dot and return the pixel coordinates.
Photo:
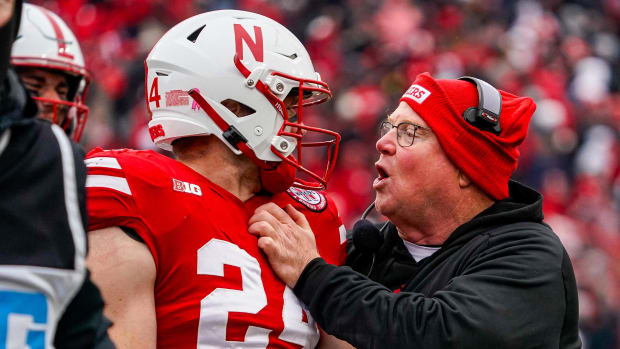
(110, 199)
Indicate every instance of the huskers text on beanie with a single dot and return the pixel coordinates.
(487, 159)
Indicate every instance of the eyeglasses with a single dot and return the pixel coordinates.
(405, 132)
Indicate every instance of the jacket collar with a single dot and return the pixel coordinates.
(523, 205)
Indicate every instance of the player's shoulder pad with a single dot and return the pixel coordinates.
(127, 159)
(113, 168)
(119, 153)
(315, 201)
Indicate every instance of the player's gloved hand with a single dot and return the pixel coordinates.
(286, 238)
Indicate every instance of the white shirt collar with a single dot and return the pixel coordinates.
(419, 252)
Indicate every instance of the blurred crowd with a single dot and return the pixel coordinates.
(565, 54)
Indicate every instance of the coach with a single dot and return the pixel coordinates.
(465, 260)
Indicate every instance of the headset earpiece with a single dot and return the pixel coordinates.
(486, 116)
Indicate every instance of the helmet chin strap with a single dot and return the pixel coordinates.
(279, 179)
(274, 177)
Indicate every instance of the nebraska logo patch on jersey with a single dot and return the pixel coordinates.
(185, 187)
(311, 199)
(417, 93)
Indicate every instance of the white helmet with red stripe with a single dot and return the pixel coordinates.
(45, 41)
(247, 58)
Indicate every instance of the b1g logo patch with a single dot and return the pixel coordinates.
(311, 199)
(185, 187)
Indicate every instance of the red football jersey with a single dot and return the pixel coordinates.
(214, 287)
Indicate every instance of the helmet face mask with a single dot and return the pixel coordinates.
(70, 116)
(213, 57)
(45, 42)
(293, 129)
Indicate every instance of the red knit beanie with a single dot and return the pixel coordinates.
(487, 159)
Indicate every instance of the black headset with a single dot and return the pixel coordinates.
(486, 116)
(366, 237)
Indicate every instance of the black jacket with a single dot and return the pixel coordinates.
(42, 232)
(502, 280)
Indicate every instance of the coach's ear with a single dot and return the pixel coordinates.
(464, 181)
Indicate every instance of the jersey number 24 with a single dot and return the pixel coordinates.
(215, 307)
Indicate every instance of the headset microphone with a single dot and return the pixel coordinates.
(366, 237)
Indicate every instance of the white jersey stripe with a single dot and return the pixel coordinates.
(74, 216)
(110, 182)
(71, 196)
(4, 139)
(103, 161)
(343, 234)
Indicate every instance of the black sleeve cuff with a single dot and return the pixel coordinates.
(311, 277)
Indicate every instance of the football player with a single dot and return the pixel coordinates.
(169, 240)
(49, 61)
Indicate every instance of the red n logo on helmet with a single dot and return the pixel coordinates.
(255, 46)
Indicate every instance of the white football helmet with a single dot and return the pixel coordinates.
(45, 41)
(244, 57)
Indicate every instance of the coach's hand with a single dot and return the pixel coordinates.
(286, 239)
